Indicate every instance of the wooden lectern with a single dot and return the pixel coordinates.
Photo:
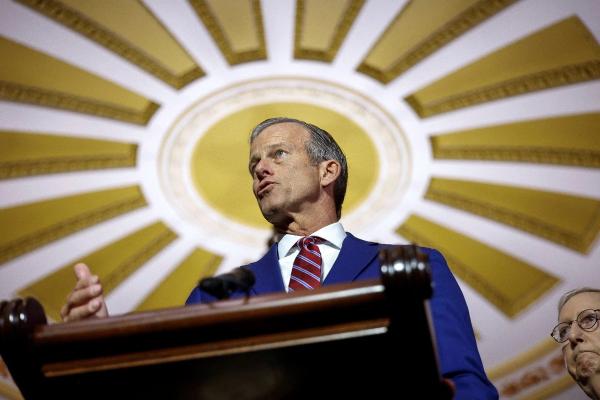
(368, 338)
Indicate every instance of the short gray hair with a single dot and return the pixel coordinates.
(320, 147)
(571, 293)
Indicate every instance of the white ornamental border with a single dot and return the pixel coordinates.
(176, 151)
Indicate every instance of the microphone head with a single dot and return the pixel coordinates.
(224, 285)
(245, 276)
(213, 286)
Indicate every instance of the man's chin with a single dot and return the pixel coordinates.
(274, 216)
(587, 364)
(268, 211)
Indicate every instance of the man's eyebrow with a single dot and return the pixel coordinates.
(270, 148)
(277, 145)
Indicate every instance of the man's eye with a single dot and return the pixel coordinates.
(279, 153)
(588, 320)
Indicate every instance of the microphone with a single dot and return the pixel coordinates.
(224, 285)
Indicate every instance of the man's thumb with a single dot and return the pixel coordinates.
(82, 271)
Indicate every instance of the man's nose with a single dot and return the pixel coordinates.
(575, 333)
(262, 169)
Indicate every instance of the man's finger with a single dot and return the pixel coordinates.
(86, 282)
(64, 311)
(82, 271)
(83, 295)
(83, 311)
(102, 311)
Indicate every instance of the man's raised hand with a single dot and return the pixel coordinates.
(86, 299)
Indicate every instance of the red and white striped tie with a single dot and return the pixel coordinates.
(306, 272)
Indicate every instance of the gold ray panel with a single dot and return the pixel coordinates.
(25, 154)
(567, 220)
(24, 228)
(571, 140)
(561, 54)
(112, 263)
(420, 29)
(236, 27)
(508, 283)
(146, 43)
(28, 76)
(175, 289)
(315, 40)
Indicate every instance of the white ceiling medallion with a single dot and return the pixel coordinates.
(177, 147)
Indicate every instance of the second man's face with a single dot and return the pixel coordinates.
(582, 349)
(284, 180)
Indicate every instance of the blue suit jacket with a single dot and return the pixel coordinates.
(458, 354)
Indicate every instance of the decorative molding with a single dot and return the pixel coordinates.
(463, 22)
(576, 241)
(173, 290)
(212, 265)
(218, 34)
(565, 75)
(541, 377)
(138, 259)
(481, 285)
(67, 226)
(75, 20)
(46, 98)
(551, 389)
(341, 31)
(51, 165)
(545, 155)
(215, 221)
(538, 351)
(484, 286)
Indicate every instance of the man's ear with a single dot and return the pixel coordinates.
(329, 171)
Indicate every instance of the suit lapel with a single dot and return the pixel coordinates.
(354, 257)
(267, 273)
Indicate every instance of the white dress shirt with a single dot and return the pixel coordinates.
(333, 236)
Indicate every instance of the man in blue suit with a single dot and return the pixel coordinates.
(299, 180)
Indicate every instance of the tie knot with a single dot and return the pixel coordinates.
(309, 240)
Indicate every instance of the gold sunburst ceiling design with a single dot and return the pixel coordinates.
(471, 126)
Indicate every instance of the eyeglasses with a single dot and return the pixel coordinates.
(587, 320)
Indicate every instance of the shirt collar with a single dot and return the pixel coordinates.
(334, 235)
